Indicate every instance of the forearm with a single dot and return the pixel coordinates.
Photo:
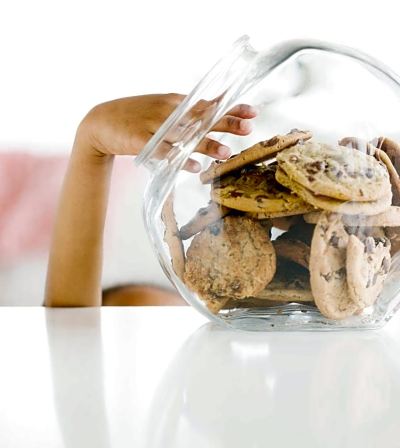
(75, 261)
(119, 127)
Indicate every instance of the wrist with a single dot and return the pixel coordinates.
(84, 149)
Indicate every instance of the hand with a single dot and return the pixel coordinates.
(124, 126)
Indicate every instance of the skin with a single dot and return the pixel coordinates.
(119, 127)
(141, 295)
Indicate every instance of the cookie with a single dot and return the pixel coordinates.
(328, 268)
(293, 250)
(252, 302)
(290, 284)
(378, 233)
(391, 148)
(172, 238)
(215, 305)
(280, 292)
(394, 176)
(388, 218)
(254, 189)
(393, 233)
(231, 258)
(359, 144)
(204, 217)
(336, 172)
(367, 265)
(285, 222)
(387, 152)
(381, 155)
(335, 205)
(259, 152)
(280, 215)
(300, 231)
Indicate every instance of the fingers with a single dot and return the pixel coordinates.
(192, 166)
(237, 120)
(243, 111)
(214, 149)
(233, 125)
(164, 148)
(240, 110)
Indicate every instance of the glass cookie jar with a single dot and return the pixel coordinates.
(300, 228)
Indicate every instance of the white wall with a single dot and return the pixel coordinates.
(58, 58)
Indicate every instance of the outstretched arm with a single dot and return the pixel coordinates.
(120, 127)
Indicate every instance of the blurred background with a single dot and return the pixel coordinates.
(60, 58)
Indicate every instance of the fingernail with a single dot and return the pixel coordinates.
(245, 126)
(252, 110)
(223, 151)
(195, 166)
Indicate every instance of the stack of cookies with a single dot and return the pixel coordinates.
(334, 211)
(335, 178)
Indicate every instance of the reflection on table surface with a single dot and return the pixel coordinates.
(250, 389)
(161, 377)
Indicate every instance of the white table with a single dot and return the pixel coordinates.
(157, 377)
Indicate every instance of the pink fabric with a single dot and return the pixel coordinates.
(29, 190)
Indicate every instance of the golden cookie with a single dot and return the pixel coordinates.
(328, 268)
(391, 148)
(232, 258)
(285, 222)
(204, 217)
(293, 250)
(255, 154)
(388, 218)
(336, 172)
(367, 263)
(300, 231)
(386, 157)
(290, 284)
(215, 304)
(335, 205)
(393, 233)
(252, 302)
(172, 238)
(254, 189)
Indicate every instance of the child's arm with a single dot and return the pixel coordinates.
(120, 127)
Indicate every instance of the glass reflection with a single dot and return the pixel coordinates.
(75, 351)
(237, 389)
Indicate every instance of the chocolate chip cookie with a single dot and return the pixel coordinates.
(232, 258)
(204, 217)
(367, 264)
(328, 268)
(254, 189)
(172, 238)
(388, 218)
(290, 284)
(335, 205)
(293, 250)
(392, 149)
(380, 155)
(258, 153)
(300, 231)
(336, 172)
(393, 233)
(285, 222)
